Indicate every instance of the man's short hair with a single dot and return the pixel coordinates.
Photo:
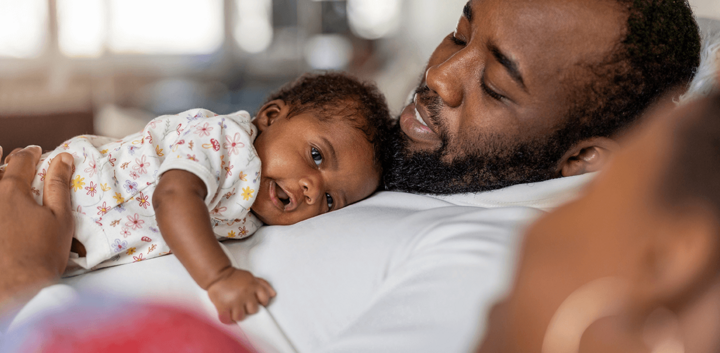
(332, 95)
(659, 51)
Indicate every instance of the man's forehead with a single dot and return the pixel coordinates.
(548, 33)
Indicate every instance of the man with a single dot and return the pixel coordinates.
(519, 94)
(522, 91)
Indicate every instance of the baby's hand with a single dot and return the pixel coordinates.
(238, 294)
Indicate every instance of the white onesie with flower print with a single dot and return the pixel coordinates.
(114, 180)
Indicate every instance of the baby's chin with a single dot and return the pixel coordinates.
(275, 219)
(267, 213)
(260, 217)
(263, 211)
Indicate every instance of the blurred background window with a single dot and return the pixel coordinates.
(165, 26)
(373, 19)
(82, 29)
(23, 28)
(69, 67)
(253, 28)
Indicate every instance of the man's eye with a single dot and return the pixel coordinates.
(316, 156)
(494, 95)
(330, 201)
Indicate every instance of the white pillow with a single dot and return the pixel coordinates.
(705, 80)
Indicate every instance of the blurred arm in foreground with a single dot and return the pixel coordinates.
(634, 265)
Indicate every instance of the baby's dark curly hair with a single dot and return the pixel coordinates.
(337, 95)
(658, 51)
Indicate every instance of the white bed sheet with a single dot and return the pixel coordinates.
(394, 273)
(162, 280)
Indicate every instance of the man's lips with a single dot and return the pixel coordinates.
(275, 198)
(414, 123)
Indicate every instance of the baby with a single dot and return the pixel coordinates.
(190, 179)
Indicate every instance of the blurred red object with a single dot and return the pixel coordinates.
(142, 328)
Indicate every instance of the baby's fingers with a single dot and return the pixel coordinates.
(251, 307)
(226, 317)
(238, 313)
(264, 293)
(268, 287)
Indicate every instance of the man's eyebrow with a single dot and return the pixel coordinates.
(467, 11)
(510, 65)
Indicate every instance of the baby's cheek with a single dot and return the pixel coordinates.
(261, 208)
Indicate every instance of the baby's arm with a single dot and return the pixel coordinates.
(184, 222)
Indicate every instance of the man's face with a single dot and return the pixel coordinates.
(491, 108)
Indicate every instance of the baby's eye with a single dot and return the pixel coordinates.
(330, 201)
(316, 156)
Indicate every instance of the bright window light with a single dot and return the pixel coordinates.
(23, 27)
(373, 19)
(253, 27)
(328, 52)
(166, 26)
(81, 27)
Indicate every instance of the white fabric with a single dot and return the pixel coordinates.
(394, 273)
(397, 272)
(544, 196)
(705, 80)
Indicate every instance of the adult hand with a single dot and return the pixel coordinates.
(34, 240)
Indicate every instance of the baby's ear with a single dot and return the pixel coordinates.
(270, 112)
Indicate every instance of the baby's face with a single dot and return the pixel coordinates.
(310, 167)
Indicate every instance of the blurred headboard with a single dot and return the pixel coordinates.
(32, 114)
(47, 130)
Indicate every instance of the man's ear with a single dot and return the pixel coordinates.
(270, 112)
(588, 156)
(681, 257)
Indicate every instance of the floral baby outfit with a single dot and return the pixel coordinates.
(113, 182)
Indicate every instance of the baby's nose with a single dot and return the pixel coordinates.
(311, 189)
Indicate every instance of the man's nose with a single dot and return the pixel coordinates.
(445, 78)
(311, 188)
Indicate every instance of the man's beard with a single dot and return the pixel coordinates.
(496, 164)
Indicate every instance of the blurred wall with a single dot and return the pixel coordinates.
(118, 63)
(706, 8)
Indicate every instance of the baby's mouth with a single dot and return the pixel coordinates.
(281, 198)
